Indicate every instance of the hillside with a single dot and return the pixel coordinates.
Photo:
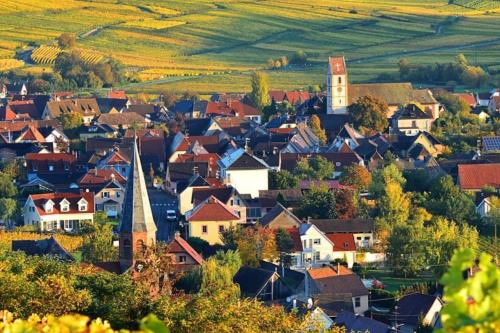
(206, 45)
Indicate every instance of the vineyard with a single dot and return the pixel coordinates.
(46, 55)
(477, 4)
(8, 64)
(70, 243)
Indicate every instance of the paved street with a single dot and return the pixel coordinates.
(161, 202)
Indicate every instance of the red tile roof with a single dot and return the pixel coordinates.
(101, 176)
(6, 113)
(24, 107)
(31, 133)
(212, 210)
(219, 109)
(297, 96)
(202, 140)
(477, 176)
(342, 242)
(117, 94)
(328, 271)
(243, 109)
(467, 98)
(337, 65)
(211, 158)
(281, 130)
(15, 126)
(277, 95)
(179, 245)
(73, 198)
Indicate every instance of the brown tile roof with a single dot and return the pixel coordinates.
(221, 193)
(117, 94)
(30, 133)
(212, 209)
(477, 176)
(467, 98)
(391, 93)
(125, 118)
(179, 245)
(219, 109)
(342, 242)
(101, 176)
(73, 198)
(85, 106)
(15, 126)
(211, 158)
(27, 107)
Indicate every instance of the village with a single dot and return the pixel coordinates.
(345, 203)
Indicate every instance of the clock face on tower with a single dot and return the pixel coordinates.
(339, 89)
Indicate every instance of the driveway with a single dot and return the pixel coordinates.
(162, 201)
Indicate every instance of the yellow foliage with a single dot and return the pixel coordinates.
(7, 64)
(153, 24)
(70, 243)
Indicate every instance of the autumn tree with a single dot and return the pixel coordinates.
(345, 206)
(369, 113)
(316, 127)
(357, 176)
(255, 244)
(217, 276)
(66, 41)
(382, 177)
(317, 203)
(394, 205)
(71, 120)
(98, 243)
(317, 168)
(260, 90)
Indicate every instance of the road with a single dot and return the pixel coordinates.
(160, 203)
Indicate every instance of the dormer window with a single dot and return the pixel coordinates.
(82, 205)
(48, 206)
(51, 168)
(64, 205)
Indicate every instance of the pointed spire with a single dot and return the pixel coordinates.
(137, 215)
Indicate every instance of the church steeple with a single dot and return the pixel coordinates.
(337, 86)
(137, 227)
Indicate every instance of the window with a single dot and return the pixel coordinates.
(367, 238)
(51, 168)
(413, 123)
(140, 246)
(305, 243)
(118, 194)
(105, 194)
(231, 202)
(340, 80)
(99, 207)
(310, 243)
(68, 224)
(337, 164)
(64, 208)
(204, 229)
(317, 241)
(358, 238)
(66, 167)
(340, 101)
(221, 228)
(317, 255)
(83, 207)
(182, 258)
(123, 170)
(31, 209)
(357, 302)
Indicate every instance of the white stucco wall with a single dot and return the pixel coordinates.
(247, 181)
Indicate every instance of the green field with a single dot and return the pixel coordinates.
(207, 46)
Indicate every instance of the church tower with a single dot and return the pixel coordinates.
(137, 227)
(336, 86)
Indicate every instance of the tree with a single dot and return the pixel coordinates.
(260, 90)
(369, 113)
(98, 243)
(316, 127)
(446, 199)
(230, 259)
(382, 177)
(217, 278)
(71, 120)
(317, 203)
(394, 205)
(284, 245)
(256, 244)
(8, 208)
(269, 111)
(7, 187)
(471, 304)
(66, 41)
(474, 76)
(280, 180)
(357, 176)
(299, 58)
(345, 207)
(406, 257)
(317, 168)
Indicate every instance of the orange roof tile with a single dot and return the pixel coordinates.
(477, 176)
(73, 198)
(342, 242)
(179, 245)
(212, 209)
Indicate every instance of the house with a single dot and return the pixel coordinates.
(362, 230)
(260, 284)
(292, 97)
(17, 88)
(280, 217)
(185, 192)
(233, 108)
(209, 219)
(123, 120)
(56, 136)
(152, 147)
(96, 130)
(304, 140)
(494, 105)
(43, 247)
(415, 307)
(246, 173)
(474, 177)
(20, 109)
(227, 195)
(50, 164)
(59, 211)
(416, 146)
(337, 290)
(411, 120)
(491, 144)
(344, 247)
(484, 206)
(317, 249)
(467, 98)
(185, 257)
(108, 187)
(112, 105)
(355, 323)
(180, 175)
(483, 99)
(87, 107)
(117, 159)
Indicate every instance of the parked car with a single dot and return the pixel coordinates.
(171, 215)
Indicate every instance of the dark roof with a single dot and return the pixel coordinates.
(355, 323)
(183, 106)
(252, 280)
(412, 306)
(333, 123)
(185, 170)
(349, 284)
(275, 212)
(201, 194)
(340, 160)
(412, 111)
(49, 246)
(106, 104)
(344, 226)
(141, 109)
(197, 126)
(291, 277)
(246, 162)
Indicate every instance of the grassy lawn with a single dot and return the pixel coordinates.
(213, 45)
(392, 283)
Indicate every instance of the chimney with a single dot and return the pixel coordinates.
(294, 302)
(177, 234)
(247, 148)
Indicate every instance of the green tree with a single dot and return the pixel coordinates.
(217, 278)
(316, 127)
(317, 203)
(471, 305)
(71, 120)
(260, 90)
(317, 168)
(394, 205)
(7, 187)
(255, 244)
(369, 113)
(230, 259)
(8, 208)
(382, 177)
(98, 243)
(406, 257)
(299, 58)
(280, 180)
(269, 111)
(66, 41)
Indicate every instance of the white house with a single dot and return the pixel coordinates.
(484, 207)
(317, 249)
(59, 211)
(246, 173)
